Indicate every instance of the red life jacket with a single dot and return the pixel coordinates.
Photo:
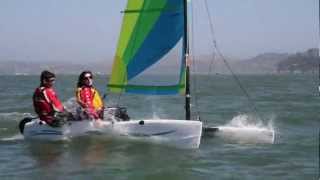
(45, 103)
(86, 96)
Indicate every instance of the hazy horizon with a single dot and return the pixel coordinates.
(84, 31)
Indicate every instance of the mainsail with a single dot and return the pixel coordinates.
(149, 57)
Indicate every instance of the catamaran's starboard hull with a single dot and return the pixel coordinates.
(178, 133)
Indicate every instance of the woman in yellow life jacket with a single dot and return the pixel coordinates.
(89, 98)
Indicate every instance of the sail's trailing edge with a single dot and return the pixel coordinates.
(151, 33)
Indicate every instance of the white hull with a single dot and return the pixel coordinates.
(178, 133)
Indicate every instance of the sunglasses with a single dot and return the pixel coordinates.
(50, 80)
(89, 77)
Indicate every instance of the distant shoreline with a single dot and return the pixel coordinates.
(201, 74)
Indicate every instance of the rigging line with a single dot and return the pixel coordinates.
(194, 78)
(253, 106)
(319, 48)
(255, 110)
(210, 23)
(319, 84)
(211, 65)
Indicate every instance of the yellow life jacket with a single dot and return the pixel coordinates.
(97, 101)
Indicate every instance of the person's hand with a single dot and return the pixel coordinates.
(91, 113)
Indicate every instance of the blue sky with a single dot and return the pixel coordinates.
(87, 30)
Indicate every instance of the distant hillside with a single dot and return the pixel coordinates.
(266, 63)
(300, 62)
(261, 64)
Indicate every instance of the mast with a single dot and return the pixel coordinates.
(186, 54)
(319, 49)
(319, 83)
(319, 52)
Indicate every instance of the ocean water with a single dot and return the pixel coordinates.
(287, 105)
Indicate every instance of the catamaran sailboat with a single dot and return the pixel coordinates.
(152, 58)
(154, 34)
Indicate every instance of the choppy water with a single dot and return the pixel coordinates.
(289, 105)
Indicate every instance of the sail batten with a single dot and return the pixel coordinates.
(148, 89)
(150, 38)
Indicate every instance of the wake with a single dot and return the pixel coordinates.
(247, 130)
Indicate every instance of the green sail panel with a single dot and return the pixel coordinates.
(150, 32)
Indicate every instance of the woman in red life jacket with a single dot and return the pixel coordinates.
(89, 98)
(45, 101)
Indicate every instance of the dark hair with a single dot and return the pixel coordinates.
(46, 75)
(82, 77)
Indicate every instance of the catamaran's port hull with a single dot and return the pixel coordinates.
(178, 133)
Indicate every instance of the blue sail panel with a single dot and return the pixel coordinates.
(165, 34)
